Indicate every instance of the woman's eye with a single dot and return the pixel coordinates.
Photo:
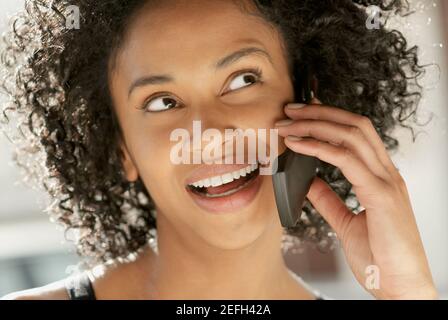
(245, 79)
(161, 103)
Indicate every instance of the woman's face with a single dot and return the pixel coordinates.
(183, 41)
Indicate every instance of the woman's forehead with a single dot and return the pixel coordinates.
(172, 34)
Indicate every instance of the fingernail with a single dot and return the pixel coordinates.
(293, 138)
(295, 105)
(283, 123)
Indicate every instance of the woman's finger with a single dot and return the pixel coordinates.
(318, 111)
(346, 136)
(353, 168)
(330, 206)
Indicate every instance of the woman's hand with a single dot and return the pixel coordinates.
(384, 235)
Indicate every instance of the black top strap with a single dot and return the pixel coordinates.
(79, 287)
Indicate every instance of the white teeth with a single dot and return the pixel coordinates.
(225, 178)
(216, 181)
(206, 183)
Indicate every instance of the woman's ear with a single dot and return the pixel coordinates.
(129, 167)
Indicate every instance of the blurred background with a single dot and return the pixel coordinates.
(33, 251)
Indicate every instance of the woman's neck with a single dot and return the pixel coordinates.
(187, 269)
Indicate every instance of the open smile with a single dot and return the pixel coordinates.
(226, 192)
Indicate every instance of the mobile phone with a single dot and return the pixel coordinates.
(295, 171)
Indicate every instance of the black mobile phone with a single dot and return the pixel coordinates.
(295, 171)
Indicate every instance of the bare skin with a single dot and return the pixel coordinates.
(385, 233)
(237, 256)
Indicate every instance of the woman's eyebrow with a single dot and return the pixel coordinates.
(235, 56)
(222, 63)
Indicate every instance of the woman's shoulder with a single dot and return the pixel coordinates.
(103, 278)
(59, 290)
(52, 291)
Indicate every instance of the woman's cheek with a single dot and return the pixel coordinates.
(152, 156)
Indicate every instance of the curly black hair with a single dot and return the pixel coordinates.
(68, 135)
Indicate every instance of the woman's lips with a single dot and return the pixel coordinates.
(228, 203)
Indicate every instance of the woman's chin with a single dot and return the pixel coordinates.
(237, 239)
(239, 228)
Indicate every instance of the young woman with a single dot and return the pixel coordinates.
(96, 106)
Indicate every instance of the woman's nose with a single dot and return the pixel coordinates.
(214, 115)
